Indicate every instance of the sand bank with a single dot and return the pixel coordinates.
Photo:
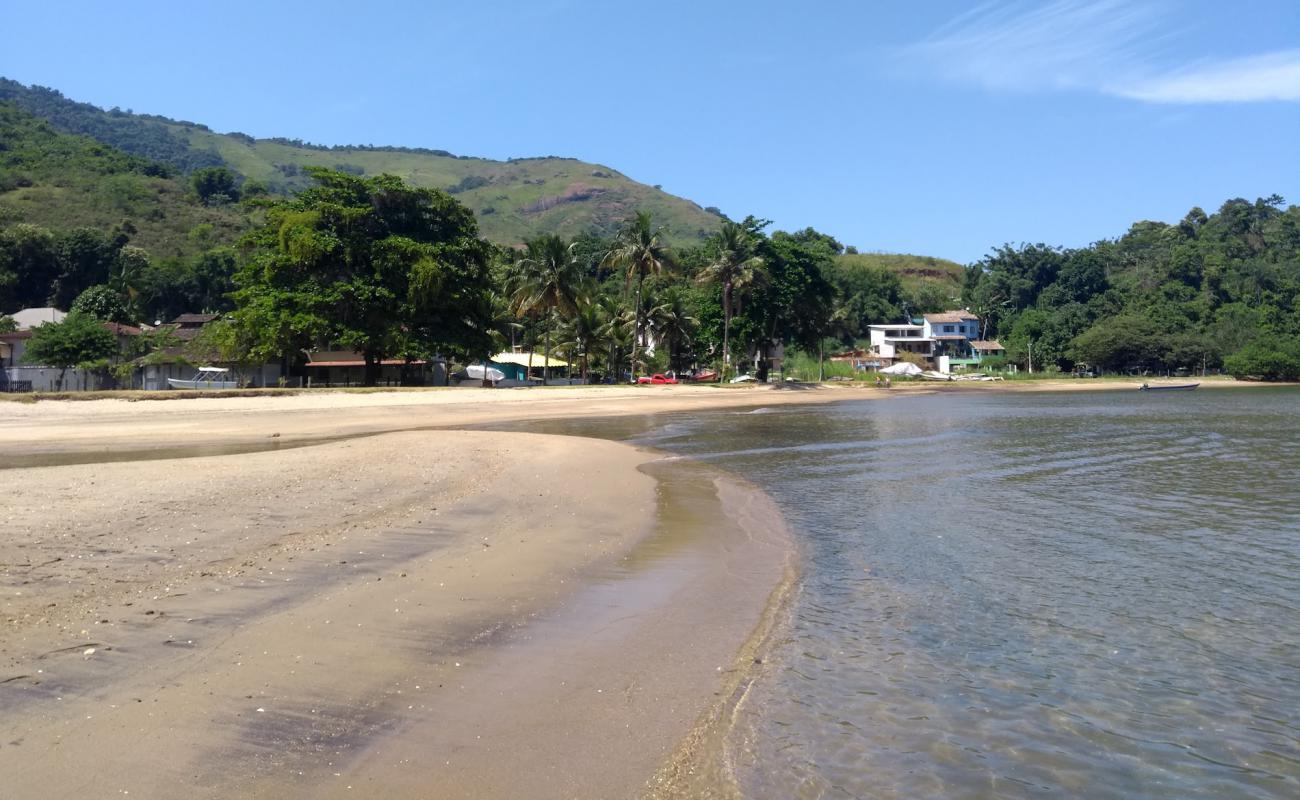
(413, 614)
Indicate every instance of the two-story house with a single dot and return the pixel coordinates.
(945, 341)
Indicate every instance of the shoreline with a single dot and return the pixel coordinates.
(216, 424)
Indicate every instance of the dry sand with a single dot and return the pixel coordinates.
(411, 614)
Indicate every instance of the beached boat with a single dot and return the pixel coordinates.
(206, 378)
(1177, 387)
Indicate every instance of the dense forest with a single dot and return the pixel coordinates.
(1211, 291)
(129, 238)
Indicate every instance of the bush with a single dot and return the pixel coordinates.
(103, 304)
(1279, 361)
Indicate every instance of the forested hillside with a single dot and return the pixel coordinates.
(75, 213)
(1163, 296)
(514, 200)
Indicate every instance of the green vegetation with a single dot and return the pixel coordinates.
(1216, 290)
(515, 200)
(368, 264)
(132, 218)
(79, 340)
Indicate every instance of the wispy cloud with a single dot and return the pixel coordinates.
(1273, 76)
(1116, 47)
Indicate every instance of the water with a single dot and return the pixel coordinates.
(1025, 595)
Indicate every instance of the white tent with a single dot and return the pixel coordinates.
(901, 368)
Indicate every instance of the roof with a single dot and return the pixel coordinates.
(521, 360)
(986, 344)
(194, 319)
(121, 330)
(32, 317)
(351, 358)
(951, 316)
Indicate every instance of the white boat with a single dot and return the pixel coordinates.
(484, 372)
(206, 378)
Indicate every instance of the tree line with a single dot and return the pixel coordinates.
(397, 272)
(1213, 291)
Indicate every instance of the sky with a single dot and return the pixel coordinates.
(933, 127)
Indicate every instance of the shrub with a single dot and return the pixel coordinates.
(1278, 361)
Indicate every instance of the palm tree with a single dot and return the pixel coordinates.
(584, 331)
(735, 267)
(672, 323)
(546, 283)
(615, 328)
(639, 251)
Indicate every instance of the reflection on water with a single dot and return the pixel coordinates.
(1025, 595)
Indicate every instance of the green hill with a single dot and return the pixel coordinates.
(913, 271)
(61, 181)
(513, 200)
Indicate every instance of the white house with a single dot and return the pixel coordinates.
(890, 340)
(946, 341)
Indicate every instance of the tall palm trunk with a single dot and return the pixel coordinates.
(546, 354)
(726, 328)
(636, 328)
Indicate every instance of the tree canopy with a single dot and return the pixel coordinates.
(370, 264)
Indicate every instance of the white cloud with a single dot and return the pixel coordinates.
(1116, 47)
(1274, 76)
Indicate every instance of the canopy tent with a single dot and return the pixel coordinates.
(480, 372)
(901, 368)
(522, 360)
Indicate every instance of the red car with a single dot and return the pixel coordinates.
(656, 379)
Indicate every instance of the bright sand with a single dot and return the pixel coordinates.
(420, 612)
(409, 614)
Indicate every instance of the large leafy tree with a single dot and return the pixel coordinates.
(735, 267)
(78, 339)
(370, 264)
(639, 251)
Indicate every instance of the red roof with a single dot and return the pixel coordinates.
(986, 344)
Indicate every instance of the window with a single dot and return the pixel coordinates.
(947, 329)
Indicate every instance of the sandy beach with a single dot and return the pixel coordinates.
(413, 613)
(333, 594)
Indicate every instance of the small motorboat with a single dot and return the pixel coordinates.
(206, 378)
(1176, 387)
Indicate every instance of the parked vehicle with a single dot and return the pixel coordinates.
(656, 379)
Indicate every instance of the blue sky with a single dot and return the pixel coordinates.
(941, 128)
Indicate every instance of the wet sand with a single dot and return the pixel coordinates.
(435, 613)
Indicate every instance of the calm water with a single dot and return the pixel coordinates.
(1026, 596)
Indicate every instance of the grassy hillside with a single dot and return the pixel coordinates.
(913, 271)
(60, 181)
(513, 200)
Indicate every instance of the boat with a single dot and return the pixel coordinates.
(484, 372)
(206, 378)
(1177, 387)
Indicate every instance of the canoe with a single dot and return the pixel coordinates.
(1178, 387)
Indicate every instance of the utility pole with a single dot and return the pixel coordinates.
(1031, 356)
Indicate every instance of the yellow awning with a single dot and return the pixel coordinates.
(521, 359)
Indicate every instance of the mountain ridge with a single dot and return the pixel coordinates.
(514, 200)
